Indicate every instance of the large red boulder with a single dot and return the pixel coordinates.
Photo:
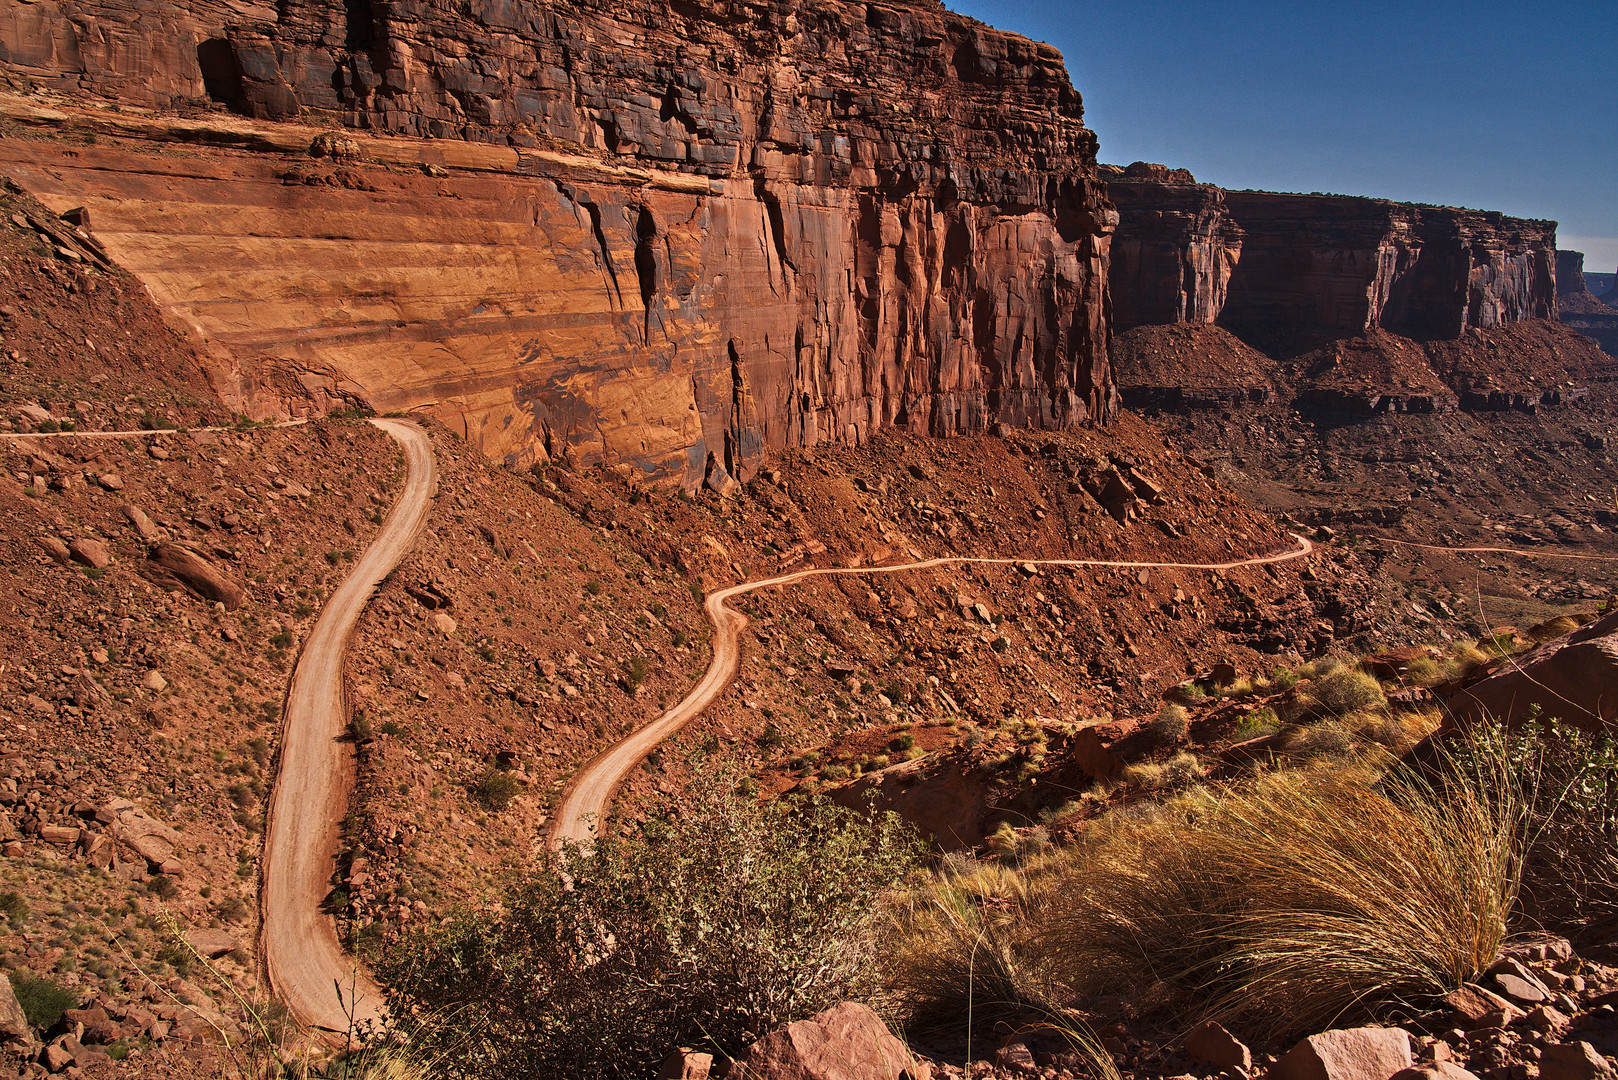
(1368, 1053)
(1574, 678)
(846, 1042)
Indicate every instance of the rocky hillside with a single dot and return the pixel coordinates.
(675, 245)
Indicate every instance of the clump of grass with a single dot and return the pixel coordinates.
(1344, 690)
(1181, 769)
(42, 998)
(1552, 629)
(1169, 726)
(962, 945)
(1303, 898)
(1328, 739)
(13, 906)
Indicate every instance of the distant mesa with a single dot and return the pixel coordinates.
(1579, 306)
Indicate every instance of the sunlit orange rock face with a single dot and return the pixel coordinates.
(671, 237)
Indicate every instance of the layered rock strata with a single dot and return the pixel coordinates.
(1173, 255)
(1290, 273)
(691, 234)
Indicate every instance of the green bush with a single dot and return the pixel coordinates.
(43, 999)
(13, 906)
(495, 789)
(721, 921)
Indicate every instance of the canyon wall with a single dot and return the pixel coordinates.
(672, 237)
(1173, 254)
(1298, 271)
(1570, 273)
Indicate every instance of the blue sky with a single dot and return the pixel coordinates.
(1510, 107)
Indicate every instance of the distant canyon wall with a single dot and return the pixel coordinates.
(1291, 272)
(678, 235)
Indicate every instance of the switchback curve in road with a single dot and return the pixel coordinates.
(592, 787)
(307, 968)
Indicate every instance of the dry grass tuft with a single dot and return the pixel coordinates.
(960, 947)
(1344, 691)
(1300, 899)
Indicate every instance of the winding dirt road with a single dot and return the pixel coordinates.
(139, 431)
(308, 971)
(1532, 553)
(586, 797)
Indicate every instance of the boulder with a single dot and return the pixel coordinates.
(14, 1026)
(443, 623)
(91, 552)
(55, 548)
(1472, 1007)
(686, 1064)
(846, 1042)
(1368, 1053)
(145, 527)
(1573, 1061)
(718, 480)
(1211, 1044)
(56, 1057)
(175, 566)
(1438, 1070)
(211, 943)
(1574, 677)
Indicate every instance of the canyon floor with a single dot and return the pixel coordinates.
(543, 614)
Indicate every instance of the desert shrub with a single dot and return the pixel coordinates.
(1257, 724)
(1571, 869)
(42, 998)
(495, 789)
(720, 921)
(1344, 690)
(1169, 726)
(635, 671)
(13, 906)
(1301, 899)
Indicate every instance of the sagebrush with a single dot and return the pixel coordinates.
(719, 922)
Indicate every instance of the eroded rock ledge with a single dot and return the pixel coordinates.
(885, 215)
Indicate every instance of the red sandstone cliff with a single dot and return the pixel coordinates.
(709, 229)
(1292, 272)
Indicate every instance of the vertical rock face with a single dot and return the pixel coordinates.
(1301, 270)
(1173, 254)
(893, 216)
(1570, 273)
